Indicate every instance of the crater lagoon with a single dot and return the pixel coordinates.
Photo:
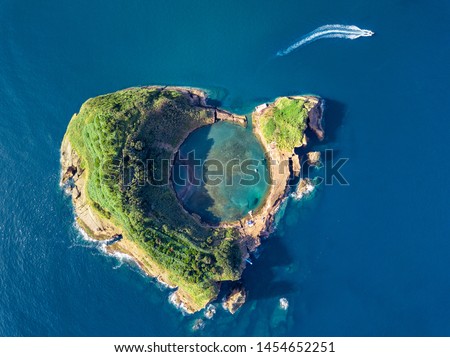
(225, 168)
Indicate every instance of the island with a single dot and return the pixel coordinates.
(138, 213)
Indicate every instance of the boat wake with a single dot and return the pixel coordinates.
(328, 31)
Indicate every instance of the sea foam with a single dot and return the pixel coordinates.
(328, 31)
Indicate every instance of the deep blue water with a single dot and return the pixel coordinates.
(371, 258)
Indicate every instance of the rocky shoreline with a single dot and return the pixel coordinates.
(280, 173)
(73, 179)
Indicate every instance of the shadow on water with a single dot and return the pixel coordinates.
(265, 278)
(217, 95)
(214, 102)
(333, 117)
(194, 196)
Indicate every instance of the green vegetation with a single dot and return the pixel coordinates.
(123, 139)
(285, 123)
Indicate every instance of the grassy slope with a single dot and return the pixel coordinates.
(140, 124)
(285, 123)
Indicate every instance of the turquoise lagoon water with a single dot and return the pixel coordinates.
(371, 258)
(231, 177)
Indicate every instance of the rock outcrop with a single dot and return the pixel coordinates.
(304, 188)
(279, 168)
(73, 179)
(235, 299)
(313, 158)
(221, 115)
(296, 167)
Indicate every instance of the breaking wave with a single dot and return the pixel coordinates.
(328, 31)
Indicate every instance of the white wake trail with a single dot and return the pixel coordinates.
(328, 31)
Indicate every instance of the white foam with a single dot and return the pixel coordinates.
(164, 284)
(307, 190)
(284, 303)
(175, 301)
(123, 258)
(199, 324)
(102, 247)
(328, 31)
(83, 233)
(210, 311)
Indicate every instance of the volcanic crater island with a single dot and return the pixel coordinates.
(121, 202)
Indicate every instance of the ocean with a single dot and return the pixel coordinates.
(367, 259)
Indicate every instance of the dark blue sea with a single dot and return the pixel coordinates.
(368, 259)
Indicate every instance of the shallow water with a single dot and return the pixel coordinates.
(368, 259)
(231, 178)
